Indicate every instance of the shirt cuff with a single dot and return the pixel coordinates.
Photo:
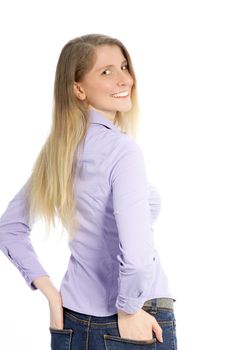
(130, 305)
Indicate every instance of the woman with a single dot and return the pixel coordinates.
(91, 174)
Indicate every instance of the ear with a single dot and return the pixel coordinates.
(79, 91)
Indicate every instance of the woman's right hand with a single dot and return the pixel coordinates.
(56, 312)
(138, 326)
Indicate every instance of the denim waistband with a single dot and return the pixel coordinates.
(84, 318)
(167, 303)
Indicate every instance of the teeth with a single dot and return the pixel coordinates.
(121, 94)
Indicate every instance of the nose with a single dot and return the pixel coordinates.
(124, 80)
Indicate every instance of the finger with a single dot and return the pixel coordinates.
(158, 332)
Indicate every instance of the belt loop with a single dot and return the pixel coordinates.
(153, 305)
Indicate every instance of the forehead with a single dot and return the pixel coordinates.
(108, 55)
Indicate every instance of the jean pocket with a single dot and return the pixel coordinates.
(113, 342)
(166, 320)
(61, 338)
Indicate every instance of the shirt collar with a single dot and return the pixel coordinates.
(96, 117)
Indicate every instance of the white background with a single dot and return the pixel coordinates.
(182, 53)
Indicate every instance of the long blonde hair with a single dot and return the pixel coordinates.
(51, 184)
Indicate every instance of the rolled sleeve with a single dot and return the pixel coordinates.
(137, 260)
(15, 243)
(154, 199)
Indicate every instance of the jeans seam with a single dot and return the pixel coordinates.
(85, 322)
(88, 327)
(69, 341)
(173, 335)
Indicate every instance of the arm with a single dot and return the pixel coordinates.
(15, 243)
(138, 260)
(15, 228)
(46, 287)
(54, 300)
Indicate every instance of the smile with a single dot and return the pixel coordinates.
(121, 94)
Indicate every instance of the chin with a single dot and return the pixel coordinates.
(124, 110)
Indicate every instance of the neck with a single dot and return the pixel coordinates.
(109, 115)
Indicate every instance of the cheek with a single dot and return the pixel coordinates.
(107, 86)
(98, 93)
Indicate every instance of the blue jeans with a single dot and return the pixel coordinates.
(86, 332)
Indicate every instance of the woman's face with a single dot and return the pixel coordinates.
(108, 78)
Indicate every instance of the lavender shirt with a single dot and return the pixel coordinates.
(114, 263)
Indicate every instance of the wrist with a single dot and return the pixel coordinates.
(45, 285)
(122, 313)
(54, 296)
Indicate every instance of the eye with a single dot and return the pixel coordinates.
(125, 67)
(106, 72)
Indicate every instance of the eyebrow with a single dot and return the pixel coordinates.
(110, 65)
